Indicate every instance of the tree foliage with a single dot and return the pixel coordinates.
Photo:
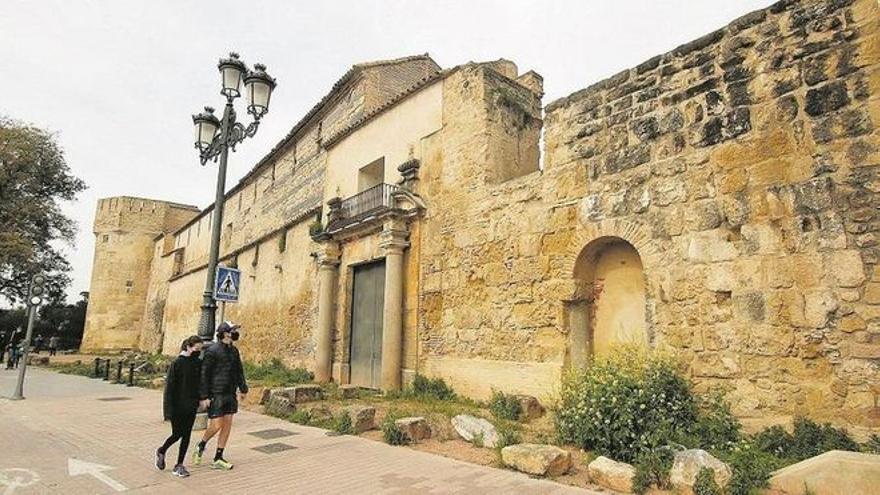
(34, 180)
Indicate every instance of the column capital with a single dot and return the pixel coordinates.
(393, 241)
(328, 254)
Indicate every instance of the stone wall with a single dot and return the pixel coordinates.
(125, 230)
(744, 168)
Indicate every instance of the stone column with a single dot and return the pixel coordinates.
(393, 242)
(328, 261)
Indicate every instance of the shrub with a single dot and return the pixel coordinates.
(872, 446)
(434, 388)
(652, 469)
(342, 424)
(807, 440)
(301, 417)
(716, 429)
(751, 468)
(705, 484)
(624, 405)
(507, 435)
(392, 434)
(275, 373)
(478, 440)
(504, 406)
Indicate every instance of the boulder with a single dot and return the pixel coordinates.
(531, 408)
(304, 393)
(540, 460)
(416, 428)
(280, 405)
(264, 396)
(38, 360)
(469, 427)
(828, 473)
(318, 414)
(158, 382)
(687, 465)
(363, 418)
(612, 474)
(348, 391)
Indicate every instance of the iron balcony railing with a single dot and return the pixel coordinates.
(367, 201)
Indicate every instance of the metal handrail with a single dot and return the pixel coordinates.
(368, 200)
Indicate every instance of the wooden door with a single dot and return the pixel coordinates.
(368, 296)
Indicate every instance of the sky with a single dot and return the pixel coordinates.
(118, 80)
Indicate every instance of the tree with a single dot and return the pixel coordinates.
(34, 179)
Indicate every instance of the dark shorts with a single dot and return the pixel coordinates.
(223, 404)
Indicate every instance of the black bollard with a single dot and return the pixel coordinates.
(119, 372)
(97, 367)
(131, 375)
(107, 371)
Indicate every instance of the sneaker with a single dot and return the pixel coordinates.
(197, 457)
(180, 471)
(221, 464)
(160, 461)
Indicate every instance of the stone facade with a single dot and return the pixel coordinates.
(718, 202)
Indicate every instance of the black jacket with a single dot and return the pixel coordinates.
(182, 387)
(222, 372)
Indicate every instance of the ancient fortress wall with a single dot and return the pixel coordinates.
(742, 168)
(125, 230)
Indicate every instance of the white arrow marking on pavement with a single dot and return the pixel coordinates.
(76, 467)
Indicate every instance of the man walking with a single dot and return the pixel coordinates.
(222, 377)
(53, 345)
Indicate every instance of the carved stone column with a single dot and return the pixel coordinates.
(393, 243)
(328, 263)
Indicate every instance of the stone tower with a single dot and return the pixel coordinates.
(125, 230)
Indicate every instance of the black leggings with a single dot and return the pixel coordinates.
(181, 428)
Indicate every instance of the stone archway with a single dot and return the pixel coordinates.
(609, 307)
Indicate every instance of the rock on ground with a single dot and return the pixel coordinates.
(280, 404)
(540, 460)
(469, 427)
(348, 391)
(416, 428)
(828, 473)
(612, 474)
(363, 418)
(687, 465)
(531, 408)
(304, 393)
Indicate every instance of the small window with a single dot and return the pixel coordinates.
(371, 175)
(129, 284)
(105, 238)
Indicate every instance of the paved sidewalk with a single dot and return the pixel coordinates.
(68, 417)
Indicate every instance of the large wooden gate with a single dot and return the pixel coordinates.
(368, 296)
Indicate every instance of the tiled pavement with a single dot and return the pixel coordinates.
(64, 417)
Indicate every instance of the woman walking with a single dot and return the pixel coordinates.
(181, 401)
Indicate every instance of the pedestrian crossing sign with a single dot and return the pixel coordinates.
(227, 285)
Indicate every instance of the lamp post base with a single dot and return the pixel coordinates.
(207, 321)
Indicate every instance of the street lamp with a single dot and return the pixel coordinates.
(214, 138)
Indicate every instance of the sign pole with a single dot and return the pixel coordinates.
(222, 311)
(19, 386)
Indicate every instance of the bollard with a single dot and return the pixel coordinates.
(131, 375)
(107, 371)
(97, 367)
(119, 372)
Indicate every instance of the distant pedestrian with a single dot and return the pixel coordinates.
(53, 345)
(2, 345)
(181, 402)
(222, 377)
(10, 351)
(38, 344)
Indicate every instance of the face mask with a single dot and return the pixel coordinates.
(195, 354)
(234, 336)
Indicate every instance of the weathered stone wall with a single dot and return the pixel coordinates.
(125, 229)
(744, 168)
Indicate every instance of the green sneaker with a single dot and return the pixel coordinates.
(197, 457)
(221, 464)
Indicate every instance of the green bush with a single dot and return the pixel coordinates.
(507, 435)
(716, 428)
(625, 405)
(342, 424)
(301, 417)
(276, 373)
(872, 446)
(391, 433)
(504, 406)
(807, 440)
(751, 468)
(705, 484)
(431, 388)
(652, 469)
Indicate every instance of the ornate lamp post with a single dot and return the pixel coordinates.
(214, 138)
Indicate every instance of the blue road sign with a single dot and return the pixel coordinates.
(227, 285)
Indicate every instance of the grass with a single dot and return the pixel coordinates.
(274, 373)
